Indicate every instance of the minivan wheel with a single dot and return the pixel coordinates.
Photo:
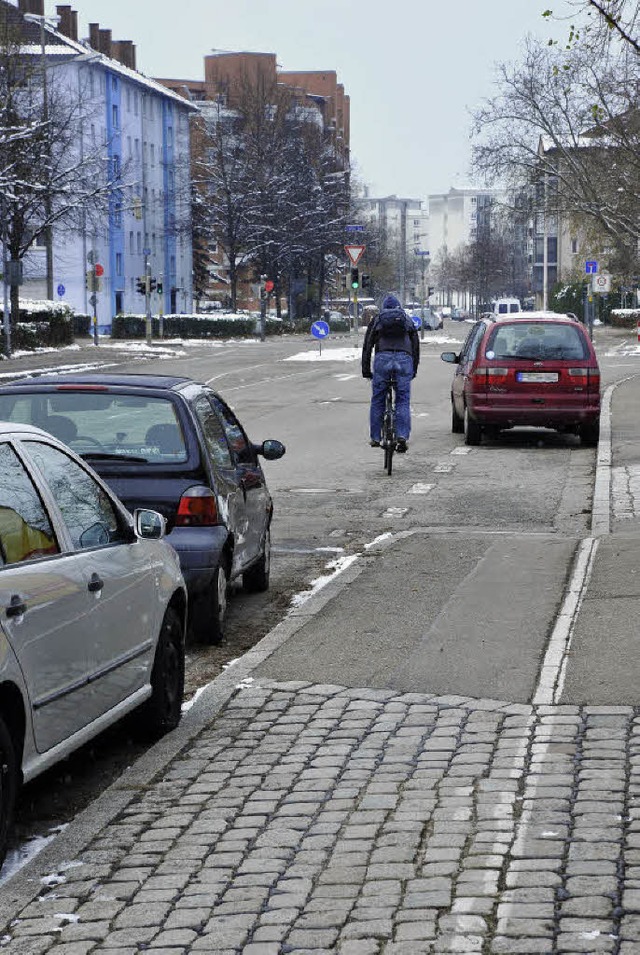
(9, 782)
(590, 434)
(162, 711)
(457, 423)
(472, 430)
(256, 578)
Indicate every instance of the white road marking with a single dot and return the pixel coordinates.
(421, 488)
(444, 468)
(461, 450)
(395, 512)
(553, 671)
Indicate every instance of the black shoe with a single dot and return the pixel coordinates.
(401, 445)
(374, 444)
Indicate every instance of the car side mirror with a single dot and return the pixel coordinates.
(271, 449)
(451, 357)
(149, 524)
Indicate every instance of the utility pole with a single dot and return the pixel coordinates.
(147, 296)
(160, 289)
(7, 299)
(403, 251)
(263, 308)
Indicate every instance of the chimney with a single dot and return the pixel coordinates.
(125, 52)
(105, 42)
(67, 26)
(94, 35)
(31, 6)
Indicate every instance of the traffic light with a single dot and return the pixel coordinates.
(159, 287)
(355, 279)
(152, 285)
(432, 289)
(366, 280)
(141, 285)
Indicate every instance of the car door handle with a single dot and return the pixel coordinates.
(96, 584)
(17, 607)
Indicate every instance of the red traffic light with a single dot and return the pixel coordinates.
(269, 285)
(99, 269)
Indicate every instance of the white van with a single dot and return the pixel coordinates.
(506, 306)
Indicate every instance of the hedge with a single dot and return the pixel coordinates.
(624, 317)
(40, 325)
(210, 325)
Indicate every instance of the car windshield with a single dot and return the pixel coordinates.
(536, 340)
(103, 424)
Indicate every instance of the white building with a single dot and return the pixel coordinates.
(457, 217)
(143, 130)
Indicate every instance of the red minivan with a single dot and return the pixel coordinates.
(534, 369)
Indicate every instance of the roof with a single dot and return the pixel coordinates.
(13, 427)
(532, 316)
(165, 382)
(57, 44)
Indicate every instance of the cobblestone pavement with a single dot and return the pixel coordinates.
(312, 819)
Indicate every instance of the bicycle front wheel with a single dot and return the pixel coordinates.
(388, 457)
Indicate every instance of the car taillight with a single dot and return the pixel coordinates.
(197, 508)
(491, 376)
(585, 377)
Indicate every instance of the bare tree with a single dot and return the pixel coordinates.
(568, 123)
(600, 20)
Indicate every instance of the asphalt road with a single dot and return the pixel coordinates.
(499, 526)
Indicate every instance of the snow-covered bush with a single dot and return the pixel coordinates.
(625, 317)
(40, 324)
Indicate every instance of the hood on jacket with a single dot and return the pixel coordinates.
(390, 301)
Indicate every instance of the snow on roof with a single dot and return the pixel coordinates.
(64, 44)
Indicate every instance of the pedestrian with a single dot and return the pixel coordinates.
(397, 353)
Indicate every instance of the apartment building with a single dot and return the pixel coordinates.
(229, 80)
(141, 129)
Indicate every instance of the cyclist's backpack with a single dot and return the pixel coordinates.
(392, 322)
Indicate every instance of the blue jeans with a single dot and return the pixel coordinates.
(401, 365)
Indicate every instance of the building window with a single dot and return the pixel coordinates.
(153, 243)
(170, 135)
(117, 216)
(118, 263)
(114, 84)
(136, 104)
(115, 118)
(574, 245)
(139, 239)
(137, 148)
(131, 243)
(153, 154)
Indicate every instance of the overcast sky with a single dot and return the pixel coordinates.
(411, 67)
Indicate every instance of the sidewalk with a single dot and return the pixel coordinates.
(303, 816)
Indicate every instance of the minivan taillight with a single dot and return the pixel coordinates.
(198, 507)
(489, 376)
(585, 377)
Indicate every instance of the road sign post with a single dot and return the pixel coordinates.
(147, 297)
(320, 330)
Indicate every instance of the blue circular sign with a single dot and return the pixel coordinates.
(61, 290)
(319, 329)
(417, 321)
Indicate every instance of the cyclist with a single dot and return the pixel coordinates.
(397, 353)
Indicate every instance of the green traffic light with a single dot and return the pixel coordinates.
(355, 285)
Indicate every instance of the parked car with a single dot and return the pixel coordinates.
(171, 444)
(432, 319)
(534, 369)
(459, 314)
(92, 612)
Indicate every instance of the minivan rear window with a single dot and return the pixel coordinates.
(537, 341)
(94, 423)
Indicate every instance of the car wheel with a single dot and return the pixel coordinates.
(457, 423)
(162, 711)
(472, 430)
(590, 434)
(256, 578)
(210, 611)
(9, 782)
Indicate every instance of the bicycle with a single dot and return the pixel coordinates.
(389, 439)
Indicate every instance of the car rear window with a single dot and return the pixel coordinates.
(94, 423)
(536, 340)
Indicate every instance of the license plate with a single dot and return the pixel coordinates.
(537, 376)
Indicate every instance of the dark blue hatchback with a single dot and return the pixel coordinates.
(173, 445)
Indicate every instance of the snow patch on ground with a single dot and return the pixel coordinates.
(336, 567)
(18, 858)
(327, 354)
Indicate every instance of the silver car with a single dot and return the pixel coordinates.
(92, 612)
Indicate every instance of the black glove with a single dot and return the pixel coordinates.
(367, 374)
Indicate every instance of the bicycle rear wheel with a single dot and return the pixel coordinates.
(388, 433)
